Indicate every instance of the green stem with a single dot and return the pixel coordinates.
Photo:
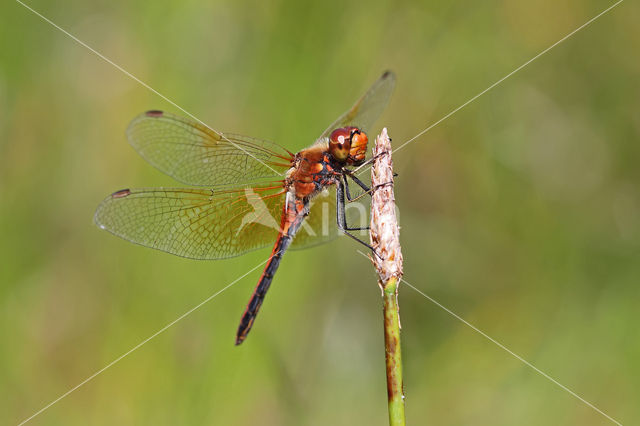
(393, 355)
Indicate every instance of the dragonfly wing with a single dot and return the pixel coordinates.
(368, 108)
(197, 155)
(195, 223)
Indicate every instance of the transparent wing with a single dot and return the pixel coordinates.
(197, 155)
(195, 223)
(368, 108)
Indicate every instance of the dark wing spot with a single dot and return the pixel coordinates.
(121, 194)
(154, 113)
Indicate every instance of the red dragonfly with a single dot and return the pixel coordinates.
(249, 183)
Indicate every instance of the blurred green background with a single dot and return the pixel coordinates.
(521, 213)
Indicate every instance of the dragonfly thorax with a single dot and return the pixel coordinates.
(313, 169)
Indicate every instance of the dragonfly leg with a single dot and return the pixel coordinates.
(353, 177)
(367, 190)
(346, 190)
(369, 161)
(382, 185)
(361, 184)
(342, 218)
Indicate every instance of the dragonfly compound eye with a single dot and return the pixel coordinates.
(340, 143)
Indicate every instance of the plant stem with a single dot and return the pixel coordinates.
(393, 356)
(387, 260)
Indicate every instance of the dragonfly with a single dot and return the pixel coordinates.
(245, 193)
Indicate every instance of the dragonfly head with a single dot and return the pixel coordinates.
(348, 145)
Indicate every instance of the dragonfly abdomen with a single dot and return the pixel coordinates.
(294, 213)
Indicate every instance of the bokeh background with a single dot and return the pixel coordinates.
(521, 213)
